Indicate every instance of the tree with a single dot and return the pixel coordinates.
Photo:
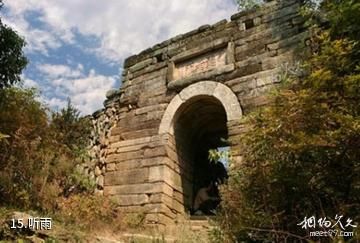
(12, 59)
(23, 153)
(71, 129)
(38, 157)
(248, 4)
(302, 152)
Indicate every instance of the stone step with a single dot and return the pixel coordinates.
(199, 223)
(199, 228)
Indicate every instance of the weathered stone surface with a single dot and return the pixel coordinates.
(100, 181)
(136, 147)
(205, 88)
(128, 165)
(200, 64)
(141, 131)
(127, 177)
(163, 160)
(168, 115)
(129, 142)
(189, 87)
(124, 156)
(211, 74)
(178, 206)
(158, 187)
(161, 198)
(158, 218)
(160, 208)
(130, 200)
(288, 41)
(140, 65)
(160, 173)
(274, 62)
(155, 152)
(152, 108)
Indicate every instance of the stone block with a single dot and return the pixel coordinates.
(287, 42)
(166, 174)
(206, 75)
(155, 152)
(166, 121)
(100, 181)
(151, 108)
(139, 133)
(281, 13)
(257, 21)
(97, 171)
(158, 187)
(130, 200)
(203, 88)
(148, 162)
(124, 156)
(178, 206)
(128, 165)
(230, 53)
(277, 61)
(140, 65)
(130, 142)
(110, 167)
(161, 198)
(126, 177)
(160, 208)
(157, 67)
(157, 218)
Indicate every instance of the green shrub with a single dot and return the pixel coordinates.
(89, 212)
(301, 153)
(39, 155)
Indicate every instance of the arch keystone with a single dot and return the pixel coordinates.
(204, 88)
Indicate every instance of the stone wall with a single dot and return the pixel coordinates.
(139, 138)
(102, 123)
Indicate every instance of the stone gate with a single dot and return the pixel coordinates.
(182, 97)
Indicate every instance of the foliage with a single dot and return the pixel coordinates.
(71, 129)
(77, 182)
(35, 163)
(302, 155)
(39, 149)
(248, 4)
(3, 136)
(216, 235)
(134, 220)
(89, 212)
(217, 155)
(12, 59)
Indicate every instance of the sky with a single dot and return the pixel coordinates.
(76, 48)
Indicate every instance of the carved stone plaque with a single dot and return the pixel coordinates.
(200, 64)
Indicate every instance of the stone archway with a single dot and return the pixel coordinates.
(197, 119)
(204, 88)
(134, 155)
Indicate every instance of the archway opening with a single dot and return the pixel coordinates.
(200, 125)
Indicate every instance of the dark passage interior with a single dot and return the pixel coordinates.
(200, 126)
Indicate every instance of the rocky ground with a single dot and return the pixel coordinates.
(18, 226)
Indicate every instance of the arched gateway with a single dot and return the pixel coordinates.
(150, 142)
(196, 120)
(218, 92)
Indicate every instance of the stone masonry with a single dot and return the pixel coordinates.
(178, 98)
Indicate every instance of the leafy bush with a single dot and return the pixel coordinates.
(248, 4)
(134, 220)
(302, 155)
(89, 212)
(71, 129)
(12, 59)
(38, 155)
